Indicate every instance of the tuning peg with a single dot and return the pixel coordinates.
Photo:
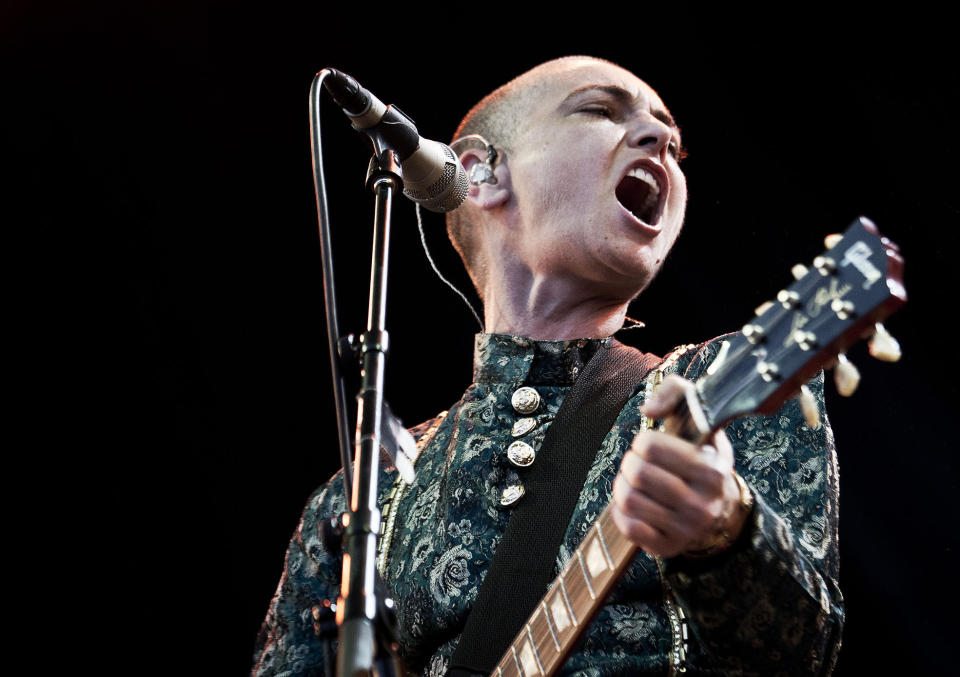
(846, 376)
(798, 271)
(883, 346)
(808, 405)
(831, 240)
(763, 307)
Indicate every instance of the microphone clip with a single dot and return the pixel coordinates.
(395, 131)
(384, 165)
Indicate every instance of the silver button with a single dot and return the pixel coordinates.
(511, 494)
(521, 454)
(525, 400)
(522, 426)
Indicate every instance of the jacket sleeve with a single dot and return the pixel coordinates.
(771, 604)
(287, 643)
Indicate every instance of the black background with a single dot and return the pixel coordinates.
(159, 195)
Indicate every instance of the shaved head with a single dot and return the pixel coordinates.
(499, 118)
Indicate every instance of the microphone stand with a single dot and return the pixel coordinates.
(362, 616)
(357, 624)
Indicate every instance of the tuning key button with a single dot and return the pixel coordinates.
(805, 339)
(753, 333)
(808, 405)
(831, 240)
(525, 400)
(768, 370)
(883, 346)
(846, 376)
(798, 271)
(788, 299)
(843, 309)
(825, 265)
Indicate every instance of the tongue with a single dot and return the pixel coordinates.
(632, 194)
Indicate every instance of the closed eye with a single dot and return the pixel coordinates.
(602, 111)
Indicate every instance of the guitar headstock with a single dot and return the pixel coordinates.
(832, 304)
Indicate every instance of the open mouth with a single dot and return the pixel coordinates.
(639, 192)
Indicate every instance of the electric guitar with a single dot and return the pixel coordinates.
(840, 299)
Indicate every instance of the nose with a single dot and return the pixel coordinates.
(650, 134)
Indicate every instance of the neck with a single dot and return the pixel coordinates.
(550, 308)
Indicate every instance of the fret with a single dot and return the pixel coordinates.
(546, 614)
(579, 594)
(506, 667)
(603, 543)
(597, 561)
(618, 545)
(566, 600)
(586, 576)
(533, 645)
(516, 661)
(542, 635)
(561, 617)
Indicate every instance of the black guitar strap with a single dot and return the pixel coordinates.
(524, 561)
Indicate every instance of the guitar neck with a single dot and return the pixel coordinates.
(551, 631)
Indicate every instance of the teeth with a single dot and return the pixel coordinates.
(648, 211)
(648, 178)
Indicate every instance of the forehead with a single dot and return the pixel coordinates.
(556, 82)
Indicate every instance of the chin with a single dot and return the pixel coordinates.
(628, 276)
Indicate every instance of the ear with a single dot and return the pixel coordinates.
(488, 195)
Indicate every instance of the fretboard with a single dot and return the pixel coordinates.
(568, 608)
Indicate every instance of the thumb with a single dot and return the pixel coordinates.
(666, 397)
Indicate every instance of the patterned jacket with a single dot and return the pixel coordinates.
(770, 605)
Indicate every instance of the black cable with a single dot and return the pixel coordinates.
(329, 293)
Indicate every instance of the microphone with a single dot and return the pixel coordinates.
(432, 173)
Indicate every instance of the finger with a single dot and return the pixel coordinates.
(638, 505)
(659, 484)
(701, 467)
(677, 527)
(644, 535)
(666, 397)
(724, 449)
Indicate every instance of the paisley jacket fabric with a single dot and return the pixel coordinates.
(770, 605)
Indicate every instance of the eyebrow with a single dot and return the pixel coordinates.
(622, 96)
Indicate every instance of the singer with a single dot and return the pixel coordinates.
(576, 197)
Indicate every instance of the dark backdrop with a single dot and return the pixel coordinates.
(157, 161)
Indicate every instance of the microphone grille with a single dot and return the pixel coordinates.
(446, 193)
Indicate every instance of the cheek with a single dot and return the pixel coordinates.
(563, 182)
(681, 196)
(678, 200)
(564, 171)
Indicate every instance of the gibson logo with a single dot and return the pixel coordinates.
(825, 295)
(822, 298)
(797, 321)
(858, 255)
